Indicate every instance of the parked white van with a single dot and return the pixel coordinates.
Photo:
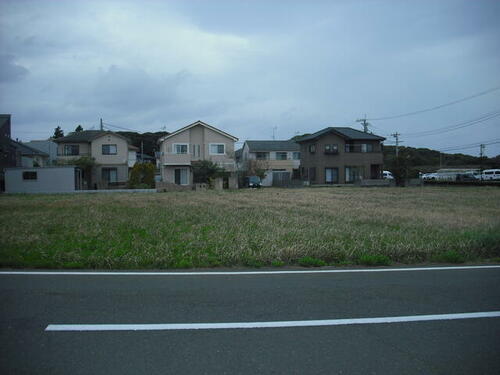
(387, 175)
(491, 174)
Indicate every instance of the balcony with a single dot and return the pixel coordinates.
(79, 155)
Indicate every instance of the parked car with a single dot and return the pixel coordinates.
(491, 174)
(469, 176)
(386, 175)
(429, 176)
(253, 182)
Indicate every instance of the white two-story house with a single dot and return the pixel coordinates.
(192, 143)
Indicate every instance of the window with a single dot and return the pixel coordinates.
(305, 174)
(332, 149)
(296, 156)
(181, 176)
(71, 150)
(180, 148)
(281, 156)
(368, 147)
(312, 148)
(331, 175)
(262, 155)
(109, 149)
(30, 176)
(217, 148)
(353, 174)
(110, 175)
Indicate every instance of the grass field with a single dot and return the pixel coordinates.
(251, 228)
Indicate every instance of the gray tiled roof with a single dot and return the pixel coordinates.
(26, 150)
(83, 136)
(344, 132)
(272, 146)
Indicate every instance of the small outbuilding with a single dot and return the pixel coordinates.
(64, 179)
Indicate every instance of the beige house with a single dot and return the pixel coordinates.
(113, 155)
(192, 143)
(280, 160)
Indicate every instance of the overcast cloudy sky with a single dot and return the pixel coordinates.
(249, 66)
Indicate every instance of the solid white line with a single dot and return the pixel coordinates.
(237, 273)
(279, 324)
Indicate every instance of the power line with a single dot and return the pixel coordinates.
(436, 107)
(120, 127)
(463, 124)
(471, 145)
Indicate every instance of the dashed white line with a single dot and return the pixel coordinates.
(278, 324)
(238, 273)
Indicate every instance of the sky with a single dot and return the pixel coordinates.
(255, 69)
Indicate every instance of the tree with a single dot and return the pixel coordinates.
(204, 171)
(86, 164)
(257, 168)
(79, 128)
(142, 176)
(58, 133)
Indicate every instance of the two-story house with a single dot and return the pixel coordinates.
(279, 159)
(110, 151)
(338, 155)
(192, 143)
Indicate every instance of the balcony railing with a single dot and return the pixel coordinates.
(79, 155)
(365, 148)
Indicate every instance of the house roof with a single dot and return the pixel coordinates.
(26, 150)
(267, 146)
(344, 132)
(238, 153)
(196, 123)
(86, 136)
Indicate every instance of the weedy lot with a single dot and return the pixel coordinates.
(314, 226)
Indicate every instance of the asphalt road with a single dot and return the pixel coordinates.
(31, 302)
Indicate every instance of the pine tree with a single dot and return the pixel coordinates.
(79, 128)
(58, 132)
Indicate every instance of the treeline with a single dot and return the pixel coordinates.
(149, 140)
(426, 160)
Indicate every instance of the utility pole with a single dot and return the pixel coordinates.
(481, 156)
(142, 152)
(101, 125)
(396, 135)
(274, 132)
(364, 123)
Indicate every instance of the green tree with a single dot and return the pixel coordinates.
(79, 128)
(58, 132)
(86, 164)
(205, 171)
(142, 176)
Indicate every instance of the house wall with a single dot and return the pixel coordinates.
(121, 156)
(343, 159)
(49, 180)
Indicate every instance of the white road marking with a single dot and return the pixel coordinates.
(278, 324)
(237, 273)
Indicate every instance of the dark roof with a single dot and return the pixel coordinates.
(26, 150)
(86, 136)
(344, 132)
(272, 146)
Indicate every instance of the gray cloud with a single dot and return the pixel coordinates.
(10, 71)
(249, 66)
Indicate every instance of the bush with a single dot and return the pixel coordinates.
(277, 263)
(142, 174)
(311, 262)
(374, 260)
(450, 256)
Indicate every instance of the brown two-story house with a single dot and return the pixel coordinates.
(340, 155)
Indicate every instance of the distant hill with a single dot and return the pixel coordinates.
(149, 140)
(427, 160)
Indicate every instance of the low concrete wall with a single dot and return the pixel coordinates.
(163, 186)
(369, 183)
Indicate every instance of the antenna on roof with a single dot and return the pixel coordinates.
(101, 125)
(275, 128)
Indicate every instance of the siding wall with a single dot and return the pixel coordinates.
(49, 180)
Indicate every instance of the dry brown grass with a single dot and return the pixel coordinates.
(248, 227)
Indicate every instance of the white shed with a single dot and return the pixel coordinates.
(65, 179)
